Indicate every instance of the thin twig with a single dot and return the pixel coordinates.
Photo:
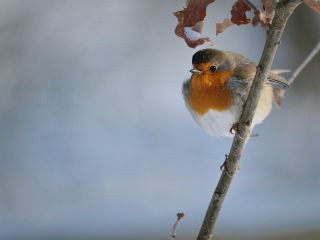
(304, 63)
(283, 11)
(174, 228)
(250, 4)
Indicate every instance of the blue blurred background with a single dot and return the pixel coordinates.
(96, 140)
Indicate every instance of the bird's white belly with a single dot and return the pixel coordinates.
(217, 123)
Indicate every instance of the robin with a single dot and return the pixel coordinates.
(219, 86)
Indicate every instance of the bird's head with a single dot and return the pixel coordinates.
(210, 61)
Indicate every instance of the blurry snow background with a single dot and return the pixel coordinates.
(96, 141)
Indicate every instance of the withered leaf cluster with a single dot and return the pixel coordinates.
(191, 18)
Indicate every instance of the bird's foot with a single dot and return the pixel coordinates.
(235, 129)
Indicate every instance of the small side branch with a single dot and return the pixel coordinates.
(304, 63)
(250, 4)
(174, 228)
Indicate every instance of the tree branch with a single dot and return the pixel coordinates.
(283, 11)
(304, 63)
(250, 4)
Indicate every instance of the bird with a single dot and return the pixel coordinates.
(218, 87)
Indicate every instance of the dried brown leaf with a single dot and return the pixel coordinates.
(268, 7)
(265, 16)
(238, 13)
(180, 215)
(221, 26)
(314, 4)
(190, 21)
(262, 18)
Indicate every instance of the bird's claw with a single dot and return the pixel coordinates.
(234, 128)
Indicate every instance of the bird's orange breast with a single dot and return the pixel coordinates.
(208, 91)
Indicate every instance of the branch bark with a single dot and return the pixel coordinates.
(283, 11)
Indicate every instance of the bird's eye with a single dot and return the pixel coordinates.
(213, 68)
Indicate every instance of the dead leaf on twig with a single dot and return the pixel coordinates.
(238, 13)
(190, 22)
(314, 4)
(221, 26)
(265, 16)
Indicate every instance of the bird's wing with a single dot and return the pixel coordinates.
(243, 77)
(244, 74)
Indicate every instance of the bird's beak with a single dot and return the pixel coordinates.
(193, 70)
